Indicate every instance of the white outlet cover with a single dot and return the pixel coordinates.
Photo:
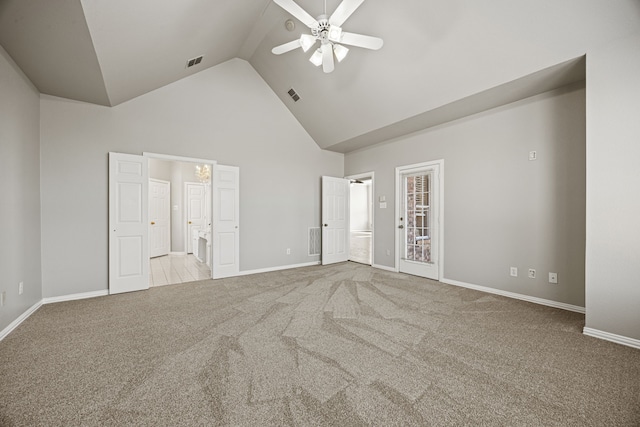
(513, 271)
(553, 277)
(533, 155)
(532, 273)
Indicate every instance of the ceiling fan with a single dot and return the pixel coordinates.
(328, 31)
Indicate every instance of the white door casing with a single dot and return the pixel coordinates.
(419, 213)
(159, 217)
(128, 223)
(226, 221)
(335, 220)
(195, 202)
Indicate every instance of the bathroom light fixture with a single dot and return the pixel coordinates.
(203, 173)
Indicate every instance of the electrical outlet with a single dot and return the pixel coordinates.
(533, 155)
(532, 273)
(514, 272)
(553, 277)
(20, 288)
(288, 251)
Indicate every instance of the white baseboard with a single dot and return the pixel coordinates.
(618, 339)
(6, 331)
(278, 268)
(535, 300)
(384, 267)
(73, 297)
(177, 253)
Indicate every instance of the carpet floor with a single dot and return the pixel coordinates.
(341, 345)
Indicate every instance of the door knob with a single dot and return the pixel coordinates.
(189, 222)
(153, 223)
(401, 226)
(326, 225)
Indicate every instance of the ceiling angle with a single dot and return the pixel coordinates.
(328, 31)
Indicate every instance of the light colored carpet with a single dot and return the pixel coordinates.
(342, 345)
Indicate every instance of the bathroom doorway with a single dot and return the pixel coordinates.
(361, 218)
(187, 213)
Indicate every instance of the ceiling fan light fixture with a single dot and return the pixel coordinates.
(340, 52)
(335, 33)
(316, 58)
(306, 41)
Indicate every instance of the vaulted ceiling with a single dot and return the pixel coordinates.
(441, 59)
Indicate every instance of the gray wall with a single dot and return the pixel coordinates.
(226, 113)
(613, 188)
(501, 209)
(20, 190)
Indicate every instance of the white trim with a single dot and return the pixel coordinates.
(417, 167)
(607, 336)
(278, 268)
(73, 297)
(178, 158)
(384, 267)
(177, 253)
(6, 331)
(372, 176)
(535, 300)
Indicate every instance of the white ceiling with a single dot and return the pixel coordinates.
(460, 55)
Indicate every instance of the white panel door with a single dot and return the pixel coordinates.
(128, 223)
(226, 221)
(418, 218)
(159, 218)
(196, 210)
(335, 220)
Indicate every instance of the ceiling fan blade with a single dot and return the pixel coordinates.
(284, 48)
(344, 11)
(298, 12)
(327, 58)
(360, 40)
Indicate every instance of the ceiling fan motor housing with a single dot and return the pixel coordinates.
(321, 32)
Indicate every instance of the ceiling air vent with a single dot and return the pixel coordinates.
(194, 61)
(292, 93)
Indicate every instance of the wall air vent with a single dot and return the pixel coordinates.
(194, 61)
(292, 93)
(315, 241)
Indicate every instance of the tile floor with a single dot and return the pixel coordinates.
(172, 269)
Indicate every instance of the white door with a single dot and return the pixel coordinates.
(418, 219)
(196, 210)
(128, 223)
(159, 218)
(335, 220)
(226, 221)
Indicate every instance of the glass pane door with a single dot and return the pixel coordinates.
(417, 212)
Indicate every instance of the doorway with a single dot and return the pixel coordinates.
(179, 208)
(419, 212)
(129, 220)
(361, 218)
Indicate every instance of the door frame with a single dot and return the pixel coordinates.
(400, 170)
(373, 210)
(194, 160)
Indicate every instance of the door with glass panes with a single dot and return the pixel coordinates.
(418, 220)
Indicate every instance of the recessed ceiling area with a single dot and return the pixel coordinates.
(441, 60)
